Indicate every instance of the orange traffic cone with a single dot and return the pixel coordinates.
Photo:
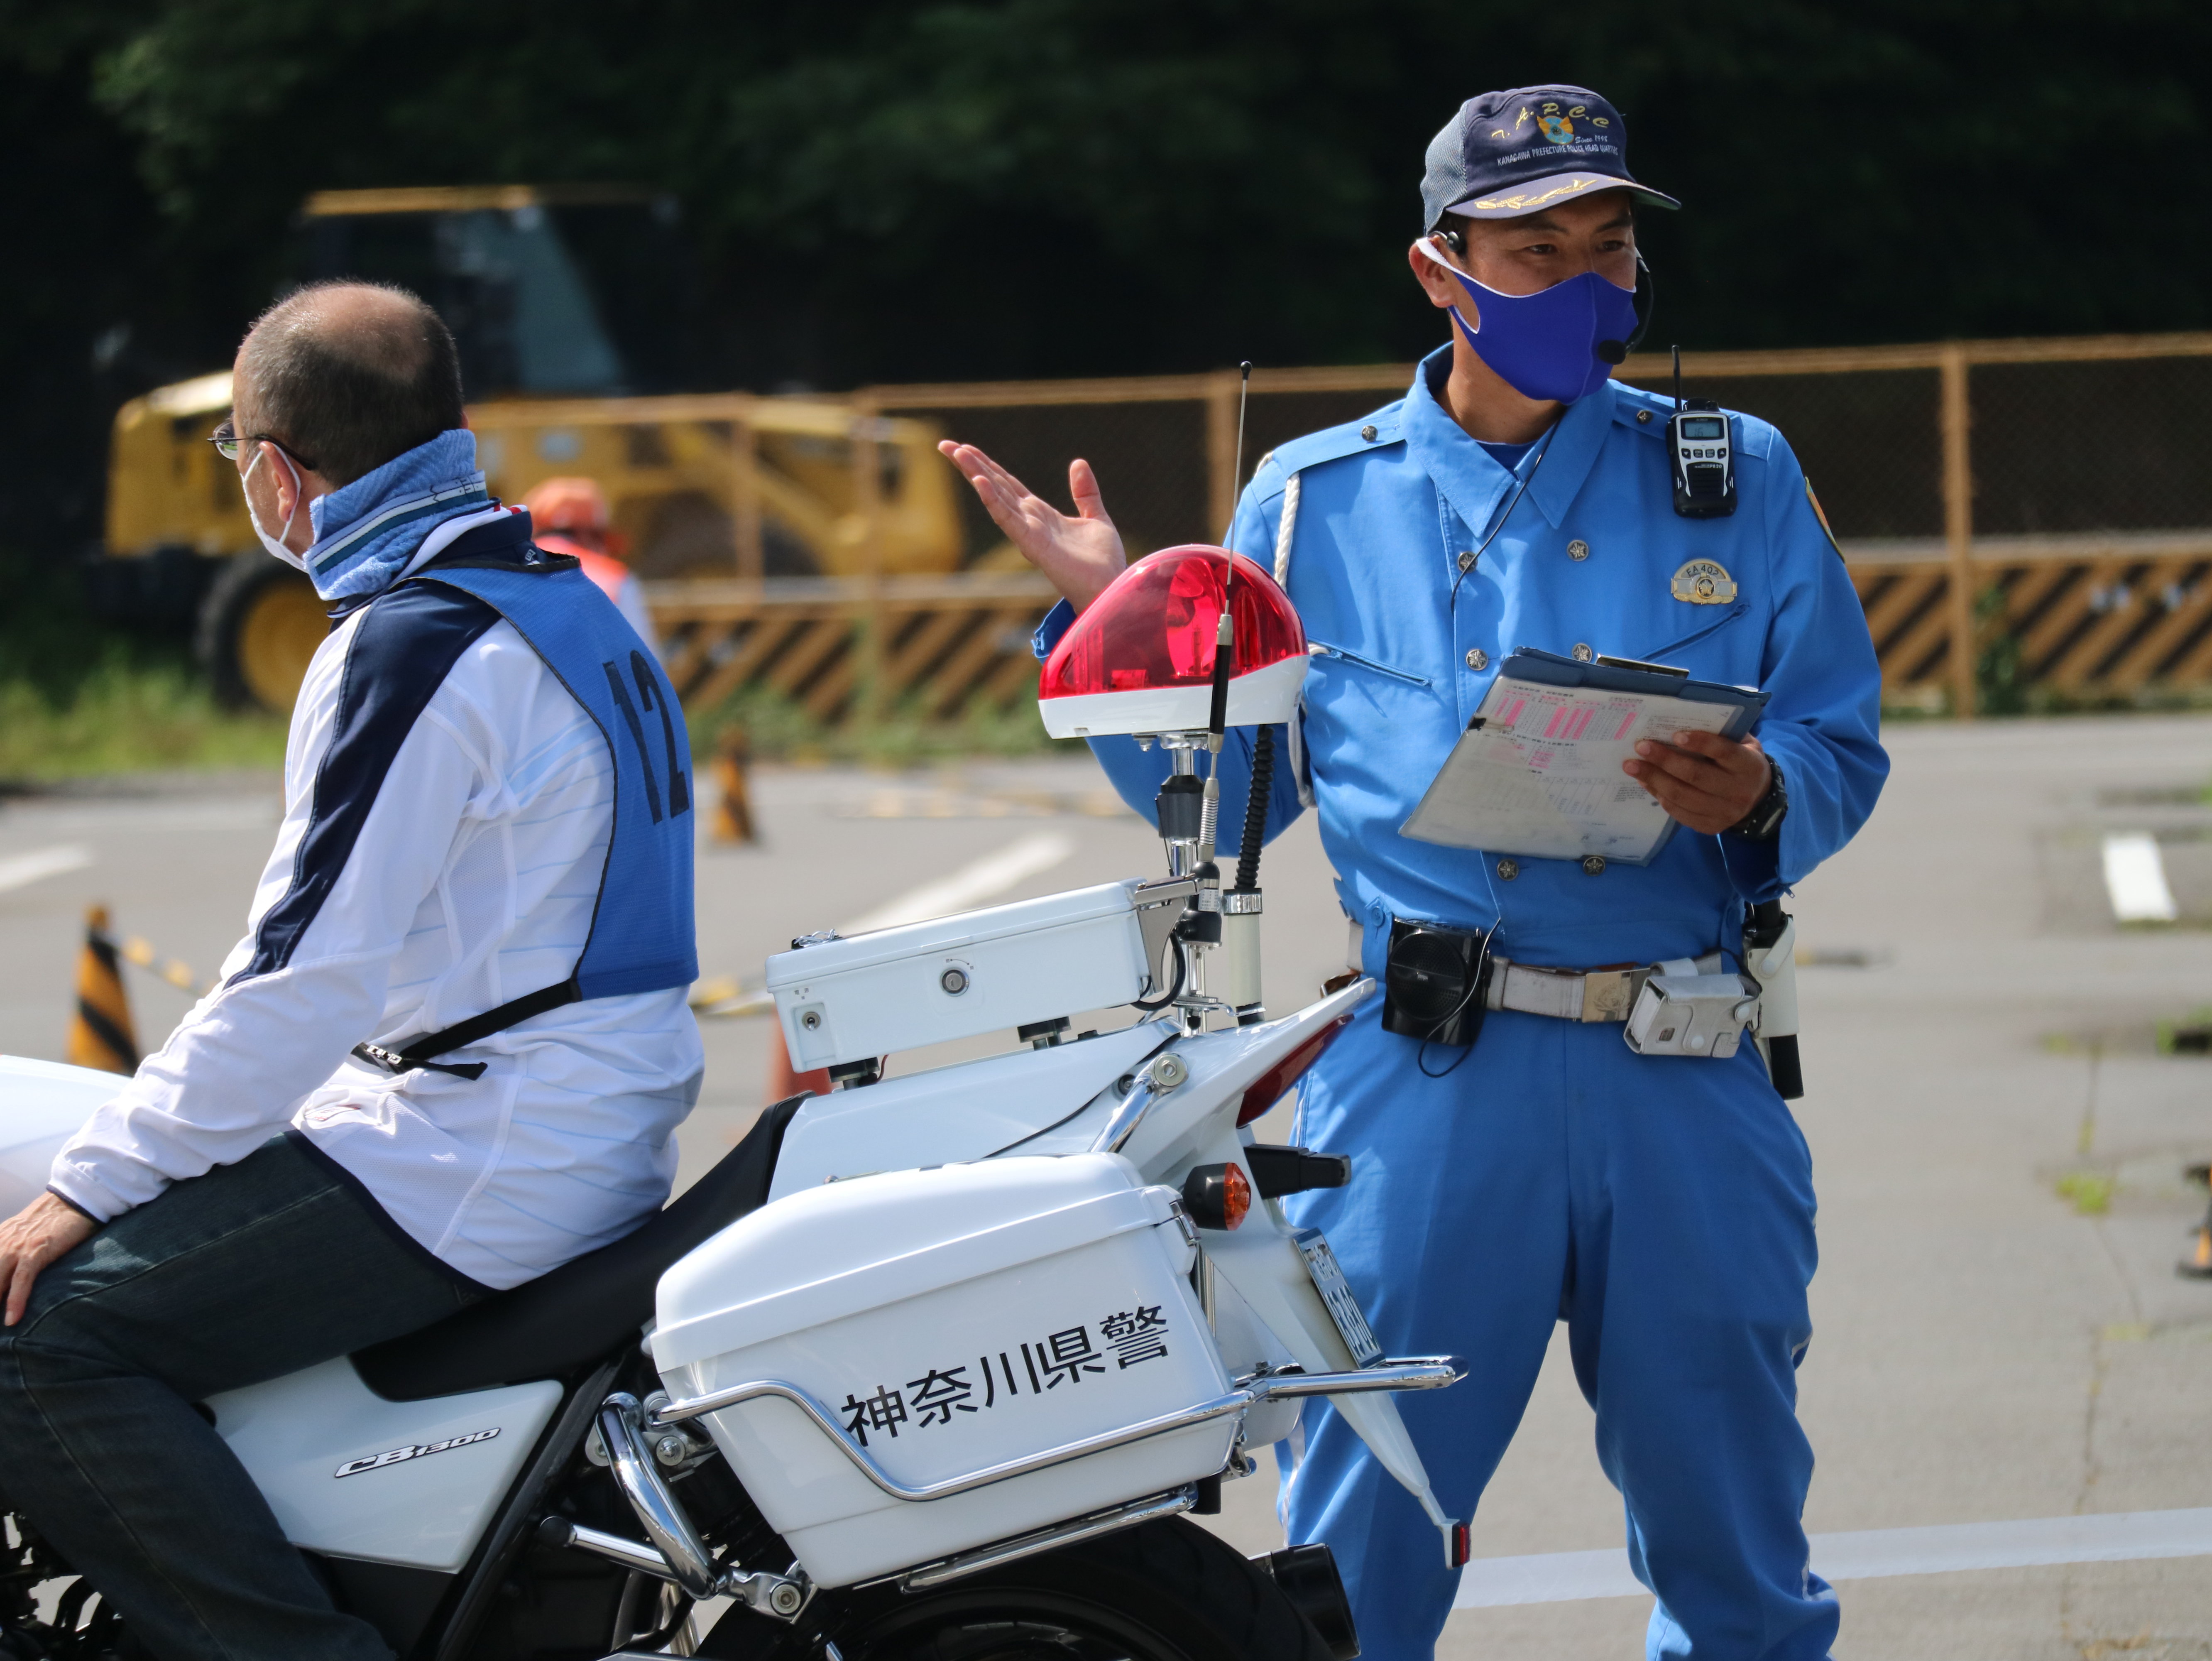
(2197, 1265)
(100, 1034)
(781, 1081)
(733, 816)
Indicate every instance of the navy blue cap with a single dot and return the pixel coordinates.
(1507, 154)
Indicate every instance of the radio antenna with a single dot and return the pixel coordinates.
(1243, 397)
(1678, 381)
(1225, 637)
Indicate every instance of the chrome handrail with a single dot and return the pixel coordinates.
(689, 1564)
(1183, 1418)
(1003, 1552)
(1426, 1373)
(1401, 1372)
(1128, 1113)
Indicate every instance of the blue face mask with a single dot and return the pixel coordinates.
(1545, 345)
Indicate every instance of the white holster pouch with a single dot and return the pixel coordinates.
(1690, 1006)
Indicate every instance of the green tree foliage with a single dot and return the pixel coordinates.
(950, 188)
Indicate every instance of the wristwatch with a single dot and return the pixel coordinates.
(1763, 822)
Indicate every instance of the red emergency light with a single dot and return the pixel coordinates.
(1140, 658)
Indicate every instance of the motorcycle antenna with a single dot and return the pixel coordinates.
(1243, 397)
(1224, 639)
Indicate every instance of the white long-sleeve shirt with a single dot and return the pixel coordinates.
(470, 881)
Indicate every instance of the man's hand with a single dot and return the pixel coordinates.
(1704, 780)
(1081, 555)
(42, 1231)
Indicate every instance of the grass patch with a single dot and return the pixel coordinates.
(136, 708)
(79, 698)
(126, 716)
(2091, 1191)
(2187, 1036)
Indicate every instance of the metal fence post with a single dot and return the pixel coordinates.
(867, 501)
(1959, 523)
(744, 499)
(1221, 480)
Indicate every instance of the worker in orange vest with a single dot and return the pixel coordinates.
(570, 516)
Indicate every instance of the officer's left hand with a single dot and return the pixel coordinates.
(1704, 780)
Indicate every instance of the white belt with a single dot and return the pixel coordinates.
(1575, 994)
(1566, 994)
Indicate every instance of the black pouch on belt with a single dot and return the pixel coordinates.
(1435, 983)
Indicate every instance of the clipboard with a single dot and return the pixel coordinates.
(1537, 773)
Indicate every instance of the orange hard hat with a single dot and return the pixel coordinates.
(567, 504)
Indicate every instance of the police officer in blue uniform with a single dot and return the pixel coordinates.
(1662, 1206)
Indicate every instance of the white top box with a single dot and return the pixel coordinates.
(953, 977)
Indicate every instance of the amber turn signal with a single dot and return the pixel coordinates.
(1217, 1195)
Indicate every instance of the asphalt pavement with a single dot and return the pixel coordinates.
(1978, 1034)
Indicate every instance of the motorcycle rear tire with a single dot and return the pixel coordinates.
(1162, 1591)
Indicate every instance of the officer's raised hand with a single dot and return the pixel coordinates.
(1081, 553)
(1706, 781)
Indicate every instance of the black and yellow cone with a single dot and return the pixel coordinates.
(99, 1033)
(733, 815)
(2198, 1264)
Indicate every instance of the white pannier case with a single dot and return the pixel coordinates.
(951, 1320)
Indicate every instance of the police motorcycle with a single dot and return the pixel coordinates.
(927, 1367)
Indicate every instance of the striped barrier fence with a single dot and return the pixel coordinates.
(2045, 506)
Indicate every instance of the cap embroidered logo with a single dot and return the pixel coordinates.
(1506, 153)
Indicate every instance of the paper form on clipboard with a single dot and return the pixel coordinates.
(1538, 773)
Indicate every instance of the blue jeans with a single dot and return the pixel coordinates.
(252, 1271)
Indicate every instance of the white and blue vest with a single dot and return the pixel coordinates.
(641, 937)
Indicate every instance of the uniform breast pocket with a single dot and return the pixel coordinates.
(1372, 666)
(1713, 642)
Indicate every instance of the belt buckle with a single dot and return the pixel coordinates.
(1607, 993)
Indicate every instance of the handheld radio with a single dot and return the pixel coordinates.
(1699, 447)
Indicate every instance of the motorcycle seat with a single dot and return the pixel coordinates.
(573, 1316)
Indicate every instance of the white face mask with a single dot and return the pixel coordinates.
(275, 544)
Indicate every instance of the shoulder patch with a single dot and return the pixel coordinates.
(1820, 513)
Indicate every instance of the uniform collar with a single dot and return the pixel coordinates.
(1467, 476)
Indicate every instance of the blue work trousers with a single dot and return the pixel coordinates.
(1663, 1206)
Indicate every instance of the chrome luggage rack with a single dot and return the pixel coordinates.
(676, 1554)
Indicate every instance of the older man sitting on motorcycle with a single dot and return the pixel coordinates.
(451, 1050)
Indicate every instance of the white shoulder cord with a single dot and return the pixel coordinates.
(1296, 726)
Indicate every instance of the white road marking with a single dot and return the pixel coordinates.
(2135, 879)
(970, 886)
(22, 870)
(1869, 1555)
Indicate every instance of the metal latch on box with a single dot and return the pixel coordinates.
(1159, 904)
(1688, 1007)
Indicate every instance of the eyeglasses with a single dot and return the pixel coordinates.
(228, 442)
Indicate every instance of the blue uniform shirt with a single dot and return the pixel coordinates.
(1397, 669)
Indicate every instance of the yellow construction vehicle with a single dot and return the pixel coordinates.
(537, 286)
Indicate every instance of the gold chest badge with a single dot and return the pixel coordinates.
(1702, 582)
